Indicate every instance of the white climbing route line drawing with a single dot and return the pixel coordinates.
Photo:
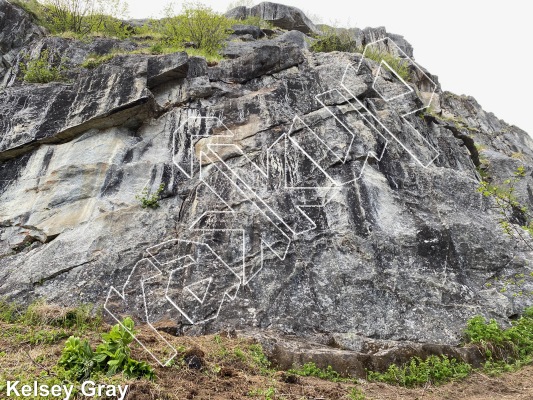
(406, 115)
(198, 279)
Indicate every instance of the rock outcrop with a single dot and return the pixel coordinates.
(304, 193)
(16, 30)
(280, 15)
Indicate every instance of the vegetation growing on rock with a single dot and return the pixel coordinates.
(41, 69)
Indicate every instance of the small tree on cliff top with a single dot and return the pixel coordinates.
(83, 16)
(199, 25)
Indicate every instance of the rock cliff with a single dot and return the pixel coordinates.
(311, 194)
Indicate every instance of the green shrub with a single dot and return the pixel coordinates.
(112, 356)
(478, 330)
(85, 16)
(515, 217)
(150, 200)
(511, 345)
(418, 372)
(79, 18)
(41, 69)
(198, 25)
(255, 21)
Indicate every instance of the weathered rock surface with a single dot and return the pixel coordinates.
(16, 31)
(323, 226)
(280, 15)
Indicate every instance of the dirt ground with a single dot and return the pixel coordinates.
(223, 369)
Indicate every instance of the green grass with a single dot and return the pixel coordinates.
(339, 40)
(399, 65)
(83, 317)
(95, 60)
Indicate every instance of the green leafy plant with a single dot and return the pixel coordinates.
(259, 359)
(356, 394)
(513, 345)
(41, 69)
(310, 369)
(268, 393)
(150, 200)
(515, 218)
(77, 358)
(112, 356)
(434, 369)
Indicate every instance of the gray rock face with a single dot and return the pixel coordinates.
(280, 15)
(16, 30)
(293, 39)
(296, 197)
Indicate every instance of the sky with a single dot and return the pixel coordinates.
(478, 48)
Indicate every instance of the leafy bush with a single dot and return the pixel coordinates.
(112, 356)
(478, 330)
(79, 17)
(197, 25)
(417, 372)
(41, 69)
(150, 200)
(515, 218)
(85, 16)
(255, 21)
(512, 344)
